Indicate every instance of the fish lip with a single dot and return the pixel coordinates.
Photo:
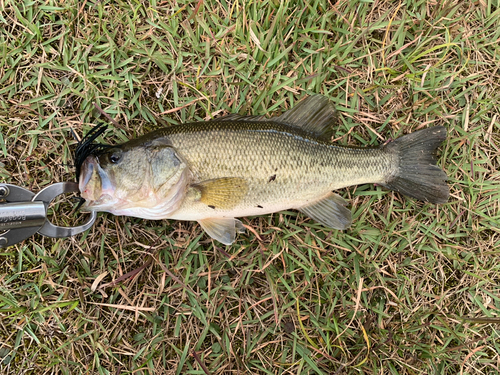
(99, 195)
(87, 169)
(103, 203)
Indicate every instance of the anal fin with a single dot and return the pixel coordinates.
(222, 229)
(329, 211)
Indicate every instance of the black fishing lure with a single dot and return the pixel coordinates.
(87, 147)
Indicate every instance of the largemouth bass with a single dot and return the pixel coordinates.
(213, 172)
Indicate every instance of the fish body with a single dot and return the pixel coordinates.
(213, 172)
(280, 168)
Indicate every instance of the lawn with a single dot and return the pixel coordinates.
(409, 288)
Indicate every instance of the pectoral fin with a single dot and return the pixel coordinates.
(330, 212)
(222, 229)
(224, 193)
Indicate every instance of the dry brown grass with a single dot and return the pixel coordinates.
(408, 289)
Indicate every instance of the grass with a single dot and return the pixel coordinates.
(410, 288)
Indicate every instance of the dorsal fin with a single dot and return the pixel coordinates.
(315, 114)
(238, 117)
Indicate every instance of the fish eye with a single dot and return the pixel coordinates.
(115, 156)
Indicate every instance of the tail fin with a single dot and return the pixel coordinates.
(418, 176)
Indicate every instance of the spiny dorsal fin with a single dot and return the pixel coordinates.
(224, 193)
(237, 117)
(329, 211)
(222, 229)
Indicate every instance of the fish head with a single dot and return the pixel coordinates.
(147, 181)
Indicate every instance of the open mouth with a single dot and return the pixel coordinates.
(90, 181)
(85, 176)
(95, 185)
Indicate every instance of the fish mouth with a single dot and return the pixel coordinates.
(95, 186)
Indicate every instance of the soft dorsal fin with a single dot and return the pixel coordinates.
(315, 114)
